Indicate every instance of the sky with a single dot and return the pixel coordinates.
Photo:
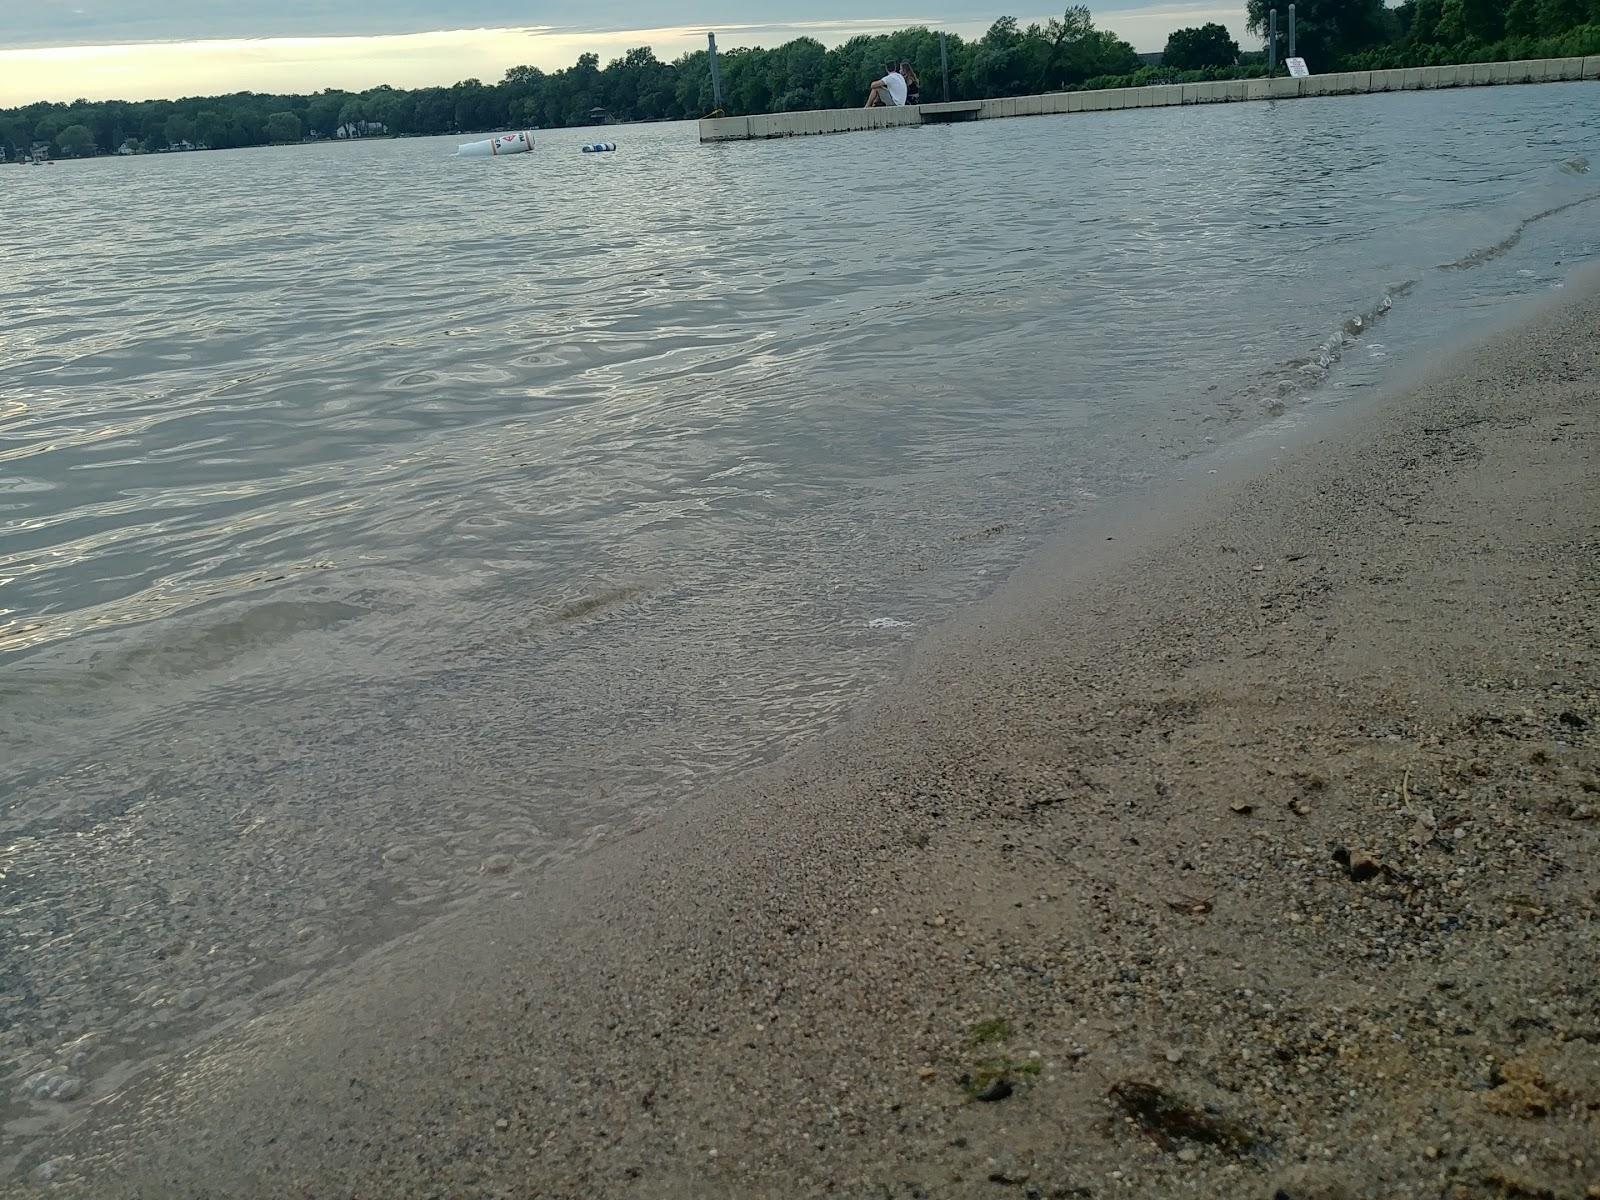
(142, 49)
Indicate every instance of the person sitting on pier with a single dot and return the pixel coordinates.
(888, 92)
(913, 84)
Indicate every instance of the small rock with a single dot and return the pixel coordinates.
(399, 854)
(496, 864)
(1523, 1092)
(1188, 1155)
(54, 1085)
(1000, 1089)
(190, 998)
(1307, 1183)
(926, 1073)
(48, 1171)
(1174, 1055)
(1005, 1168)
(1573, 720)
(1168, 1117)
(1358, 865)
(938, 922)
(1243, 807)
(502, 1124)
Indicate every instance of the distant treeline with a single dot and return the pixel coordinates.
(1060, 54)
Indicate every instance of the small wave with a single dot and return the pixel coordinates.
(1489, 253)
(168, 654)
(587, 606)
(1273, 388)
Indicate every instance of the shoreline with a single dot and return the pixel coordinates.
(1083, 851)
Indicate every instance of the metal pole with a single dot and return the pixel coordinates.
(944, 64)
(1272, 43)
(716, 75)
(1291, 31)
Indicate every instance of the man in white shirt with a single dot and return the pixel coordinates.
(888, 92)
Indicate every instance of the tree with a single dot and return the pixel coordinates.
(179, 129)
(691, 89)
(476, 107)
(1420, 19)
(322, 112)
(76, 141)
(1484, 20)
(799, 68)
(999, 60)
(1326, 30)
(16, 132)
(283, 127)
(47, 127)
(1522, 18)
(1097, 52)
(211, 129)
(1065, 35)
(1471, 21)
(1558, 16)
(1193, 49)
(525, 79)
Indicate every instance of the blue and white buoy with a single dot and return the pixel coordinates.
(599, 147)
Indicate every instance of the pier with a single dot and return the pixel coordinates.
(1348, 83)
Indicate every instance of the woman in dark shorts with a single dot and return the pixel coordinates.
(913, 84)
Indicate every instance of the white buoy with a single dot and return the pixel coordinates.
(599, 147)
(505, 143)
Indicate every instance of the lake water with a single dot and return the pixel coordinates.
(368, 514)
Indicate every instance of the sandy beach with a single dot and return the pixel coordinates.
(1243, 845)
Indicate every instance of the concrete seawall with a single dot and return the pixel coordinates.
(1409, 79)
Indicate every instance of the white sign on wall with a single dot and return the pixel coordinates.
(1297, 67)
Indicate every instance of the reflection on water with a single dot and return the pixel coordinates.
(368, 513)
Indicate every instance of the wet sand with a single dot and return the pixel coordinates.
(1242, 846)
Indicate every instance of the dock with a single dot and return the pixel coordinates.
(1168, 95)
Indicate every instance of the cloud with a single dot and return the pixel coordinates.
(53, 23)
(49, 23)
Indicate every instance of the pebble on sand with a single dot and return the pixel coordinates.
(1358, 865)
(47, 1171)
(1007, 1168)
(496, 864)
(399, 854)
(54, 1085)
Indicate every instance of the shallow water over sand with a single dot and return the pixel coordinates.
(370, 515)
